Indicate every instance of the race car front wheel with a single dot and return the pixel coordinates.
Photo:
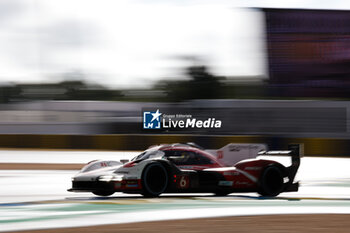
(154, 180)
(271, 181)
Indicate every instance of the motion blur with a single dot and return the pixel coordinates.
(305, 59)
(103, 78)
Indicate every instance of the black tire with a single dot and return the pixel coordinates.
(221, 193)
(154, 180)
(104, 193)
(271, 181)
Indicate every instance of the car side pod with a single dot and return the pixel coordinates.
(294, 151)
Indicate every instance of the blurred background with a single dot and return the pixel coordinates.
(269, 69)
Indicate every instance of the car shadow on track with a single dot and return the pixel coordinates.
(199, 197)
(171, 196)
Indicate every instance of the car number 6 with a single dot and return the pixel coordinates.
(183, 182)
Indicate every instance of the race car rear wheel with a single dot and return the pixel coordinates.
(154, 180)
(271, 181)
(104, 193)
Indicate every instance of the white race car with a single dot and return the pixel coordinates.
(188, 168)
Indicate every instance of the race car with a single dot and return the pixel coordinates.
(189, 168)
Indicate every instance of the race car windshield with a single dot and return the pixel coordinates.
(149, 155)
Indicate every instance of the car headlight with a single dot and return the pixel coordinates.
(105, 178)
(109, 178)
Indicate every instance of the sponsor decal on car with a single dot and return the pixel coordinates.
(225, 183)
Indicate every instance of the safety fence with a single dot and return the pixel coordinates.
(312, 146)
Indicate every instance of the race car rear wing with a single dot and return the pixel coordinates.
(232, 153)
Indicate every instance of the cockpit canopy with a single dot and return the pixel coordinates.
(149, 154)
